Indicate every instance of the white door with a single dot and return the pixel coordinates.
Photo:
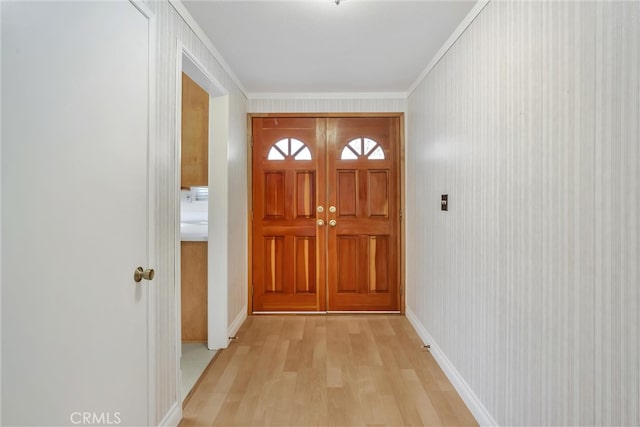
(75, 122)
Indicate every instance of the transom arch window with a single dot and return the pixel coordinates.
(289, 148)
(362, 148)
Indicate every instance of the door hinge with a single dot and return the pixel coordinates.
(401, 215)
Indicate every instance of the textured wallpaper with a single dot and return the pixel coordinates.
(529, 284)
(171, 28)
(321, 105)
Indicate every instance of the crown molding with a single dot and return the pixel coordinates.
(197, 29)
(471, 16)
(326, 95)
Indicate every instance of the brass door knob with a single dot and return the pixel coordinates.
(320, 223)
(141, 273)
(333, 223)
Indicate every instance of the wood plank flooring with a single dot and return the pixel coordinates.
(326, 370)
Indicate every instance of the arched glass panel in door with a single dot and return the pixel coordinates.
(362, 148)
(289, 148)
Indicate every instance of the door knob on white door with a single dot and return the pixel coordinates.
(141, 273)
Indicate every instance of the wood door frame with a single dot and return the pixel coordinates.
(402, 188)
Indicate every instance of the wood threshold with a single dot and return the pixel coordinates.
(284, 313)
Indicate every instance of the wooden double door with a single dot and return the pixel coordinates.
(326, 213)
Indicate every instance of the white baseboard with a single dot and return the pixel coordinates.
(173, 417)
(482, 416)
(238, 321)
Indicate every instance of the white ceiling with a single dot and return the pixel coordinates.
(317, 46)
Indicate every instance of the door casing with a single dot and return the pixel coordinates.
(401, 243)
(217, 289)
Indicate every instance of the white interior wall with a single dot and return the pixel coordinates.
(171, 29)
(528, 286)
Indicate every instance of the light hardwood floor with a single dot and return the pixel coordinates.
(325, 370)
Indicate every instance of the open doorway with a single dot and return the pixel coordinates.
(202, 117)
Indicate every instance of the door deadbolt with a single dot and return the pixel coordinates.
(320, 209)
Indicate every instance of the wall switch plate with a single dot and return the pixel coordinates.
(444, 202)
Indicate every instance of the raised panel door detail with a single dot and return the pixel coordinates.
(273, 263)
(378, 257)
(363, 264)
(287, 168)
(305, 265)
(363, 244)
(305, 194)
(326, 214)
(274, 195)
(378, 192)
(348, 265)
(347, 193)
